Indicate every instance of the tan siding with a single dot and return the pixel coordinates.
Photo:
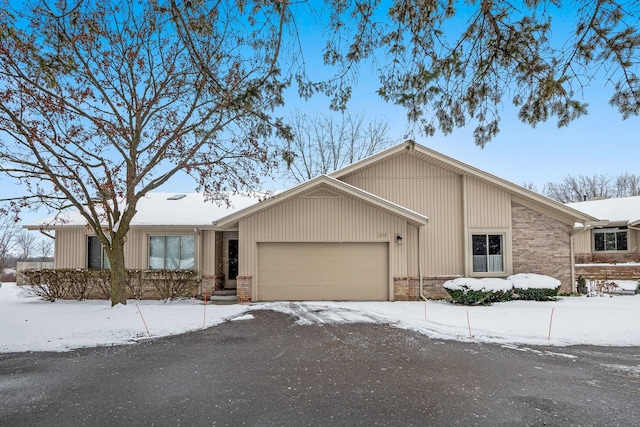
(208, 250)
(411, 240)
(334, 219)
(135, 250)
(582, 242)
(488, 205)
(429, 190)
(71, 248)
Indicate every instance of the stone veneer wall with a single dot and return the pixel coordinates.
(408, 288)
(541, 244)
(244, 288)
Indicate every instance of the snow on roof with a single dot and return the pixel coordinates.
(616, 210)
(167, 209)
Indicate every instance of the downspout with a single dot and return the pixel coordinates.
(573, 262)
(572, 254)
(465, 225)
(420, 262)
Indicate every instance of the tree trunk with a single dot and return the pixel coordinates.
(118, 273)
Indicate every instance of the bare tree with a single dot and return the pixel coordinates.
(582, 187)
(627, 185)
(8, 230)
(324, 143)
(102, 102)
(45, 248)
(25, 244)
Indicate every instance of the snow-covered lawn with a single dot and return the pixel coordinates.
(29, 324)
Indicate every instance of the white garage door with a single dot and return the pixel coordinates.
(323, 271)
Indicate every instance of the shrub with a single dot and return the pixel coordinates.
(135, 283)
(172, 284)
(79, 283)
(535, 294)
(469, 291)
(46, 284)
(470, 297)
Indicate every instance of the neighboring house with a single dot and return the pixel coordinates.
(616, 238)
(393, 226)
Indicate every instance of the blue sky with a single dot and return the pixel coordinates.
(600, 142)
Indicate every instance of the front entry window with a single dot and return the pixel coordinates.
(488, 253)
(233, 259)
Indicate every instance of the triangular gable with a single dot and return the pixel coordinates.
(324, 185)
(521, 194)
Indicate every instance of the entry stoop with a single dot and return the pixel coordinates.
(229, 296)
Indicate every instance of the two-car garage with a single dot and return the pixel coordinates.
(323, 271)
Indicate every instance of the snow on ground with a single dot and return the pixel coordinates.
(29, 324)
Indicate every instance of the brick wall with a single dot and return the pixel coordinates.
(608, 271)
(408, 288)
(541, 244)
(607, 257)
(244, 288)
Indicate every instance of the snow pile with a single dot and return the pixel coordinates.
(533, 281)
(473, 284)
(520, 281)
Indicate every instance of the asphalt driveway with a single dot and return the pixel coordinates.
(271, 371)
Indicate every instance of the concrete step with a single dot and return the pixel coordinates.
(226, 292)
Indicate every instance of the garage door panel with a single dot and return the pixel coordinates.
(318, 293)
(323, 271)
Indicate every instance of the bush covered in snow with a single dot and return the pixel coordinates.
(534, 287)
(523, 286)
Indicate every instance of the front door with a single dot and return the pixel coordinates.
(231, 264)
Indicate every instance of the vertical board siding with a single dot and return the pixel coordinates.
(582, 242)
(135, 250)
(431, 190)
(207, 257)
(331, 219)
(488, 205)
(70, 248)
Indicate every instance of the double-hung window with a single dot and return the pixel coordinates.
(96, 257)
(172, 252)
(488, 253)
(610, 239)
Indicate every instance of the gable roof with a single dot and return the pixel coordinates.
(446, 162)
(161, 209)
(324, 181)
(618, 210)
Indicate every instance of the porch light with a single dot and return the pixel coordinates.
(398, 239)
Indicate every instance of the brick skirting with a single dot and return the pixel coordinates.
(408, 288)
